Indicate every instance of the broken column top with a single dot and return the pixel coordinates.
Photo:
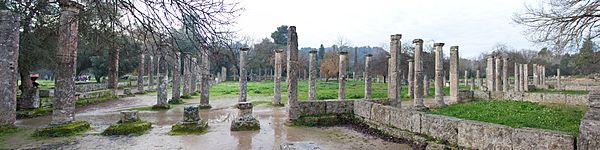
(418, 41)
(453, 48)
(312, 51)
(343, 53)
(438, 44)
(368, 55)
(75, 6)
(244, 49)
(396, 36)
(245, 105)
(278, 50)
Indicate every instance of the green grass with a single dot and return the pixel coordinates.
(518, 114)
(137, 127)
(62, 130)
(580, 92)
(8, 131)
(325, 90)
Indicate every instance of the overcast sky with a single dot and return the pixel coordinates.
(474, 25)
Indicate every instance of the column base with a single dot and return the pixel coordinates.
(245, 123)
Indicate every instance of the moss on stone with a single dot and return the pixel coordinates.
(9, 130)
(183, 129)
(62, 130)
(176, 101)
(195, 93)
(137, 127)
(83, 102)
(206, 106)
(36, 112)
(161, 107)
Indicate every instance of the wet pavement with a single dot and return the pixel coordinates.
(273, 130)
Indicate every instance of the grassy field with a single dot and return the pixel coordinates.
(581, 92)
(325, 90)
(518, 114)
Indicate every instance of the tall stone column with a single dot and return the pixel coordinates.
(140, 78)
(194, 75)
(312, 82)
(505, 74)
(558, 79)
(223, 73)
(205, 81)
(176, 93)
(151, 73)
(367, 76)
(278, 70)
(439, 74)
(426, 86)
(163, 81)
(517, 76)
(292, 73)
(490, 74)
(418, 82)
(478, 79)
(186, 75)
(466, 78)
(394, 70)
(66, 58)
(342, 75)
(454, 72)
(521, 77)
(9, 55)
(525, 78)
(498, 74)
(544, 75)
(113, 70)
(243, 78)
(534, 70)
(411, 77)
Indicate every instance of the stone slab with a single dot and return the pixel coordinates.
(480, 135)
(440, 127)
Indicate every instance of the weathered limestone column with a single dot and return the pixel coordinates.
(113, 70)
(418, 82)
(505, 74)
(525, 78)
(163, 81)
(454, 72)
(558, 80)
(534, 69)
(490, 73)
(411, 77)
(9, 55)
(312, 82)
(223, 73)
(140, 78)
(478, 79)
(367, 76)
(66, 58)
(394, 70)
(498, 75)
(205, 82)
(151, 73)
(544, 75)
(426, 85)
(278, 70)
(194, 75)
(521, 77)
(176, 82)
(292, 73)
(243, 78)
(466, 77)
(342, 75)
(517, 76)
(439, 74)
(589, 128)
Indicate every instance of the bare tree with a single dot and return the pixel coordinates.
(561, 23)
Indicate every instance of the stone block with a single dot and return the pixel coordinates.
(338, 107)
(513, 95)
(589, 130)
(380, 113)
(362, 108)
(129, 116)
(405, 119)
(556, 140)
(496, 94)
(576, 99)
(480, 135)
(594, 99)
(533, 97)
(302, 145)
(314, 108)
(481, 94)
(440, 127)
(525, 139)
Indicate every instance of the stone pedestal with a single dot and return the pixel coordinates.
(33, 102)
(191, 123)
(245, 121)
(129, 116)
(127, 91)
(9, 55)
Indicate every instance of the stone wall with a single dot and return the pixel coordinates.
(94, 94)
(318, 107)
(555, 98)
(464, 133)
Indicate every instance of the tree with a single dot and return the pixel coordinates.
(280, 35)
(587, 60)
(380, 63)
(563, 24)
(329, 65)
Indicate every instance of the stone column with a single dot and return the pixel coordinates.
(66, 58)
(243, 78)
(498, 75)
(411, 77)
(439, 74)
(278, 70)
(466, 78)
(292, 73)
(113, 70)
(418, 82)
(544, 75)
(367, 76)
(140, 78)
(426, 85)
(151, 73)
(505, 74)
(558, 80)
(478, 79)
(517, 76)
(525, 78)
(394, 70)
(9, 55)
(186, 75)
(490, 73)
(194, 75)
(223, 73)
(342, 75)
(534, 70)
(176, 93)
(205, 81)
(163, 81)
(312, 82)
(454, 72)
(521, 77)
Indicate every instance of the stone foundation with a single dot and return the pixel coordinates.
(245, 121)
(554, 98)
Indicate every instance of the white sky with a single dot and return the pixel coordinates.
(474, 25)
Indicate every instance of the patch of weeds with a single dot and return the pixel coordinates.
(184, 129)
(63, 130)
(9, 130)
(195, 94)
(137, 127)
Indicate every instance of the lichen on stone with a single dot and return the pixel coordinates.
(136, 127)
(62, 130)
